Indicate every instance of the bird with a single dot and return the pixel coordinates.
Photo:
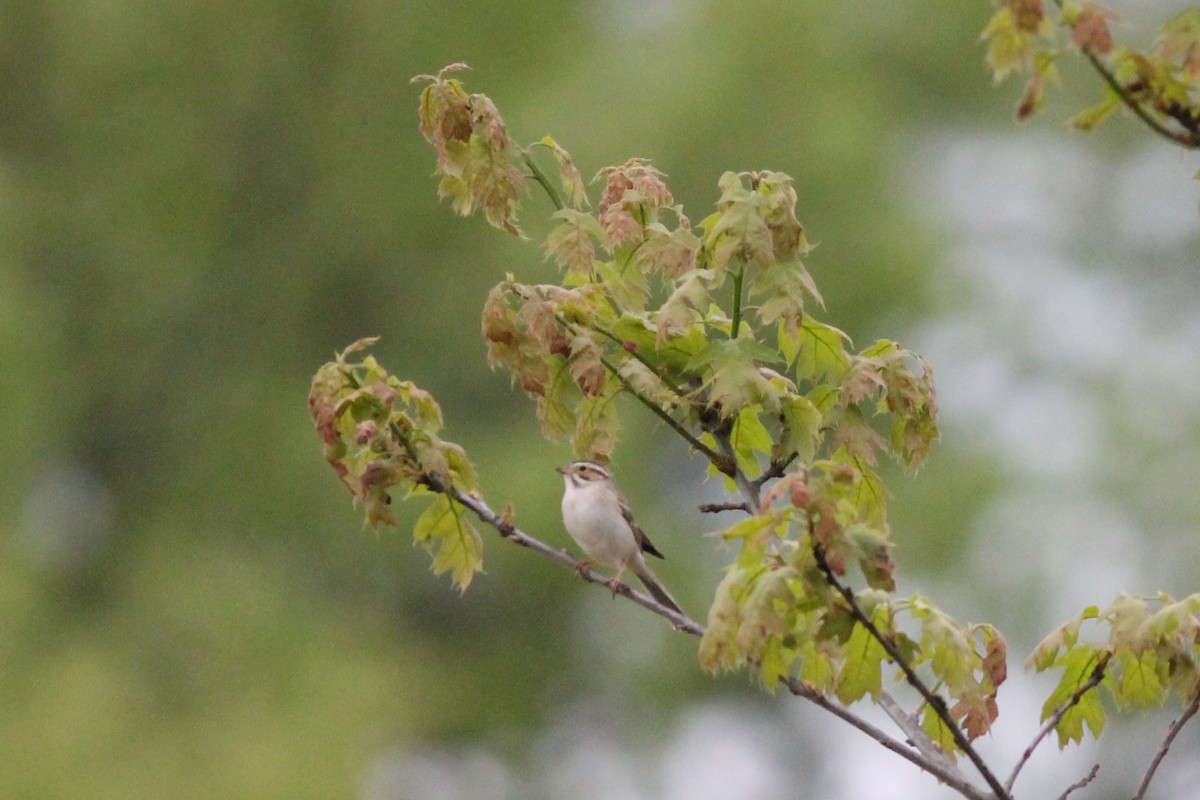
(597, 517)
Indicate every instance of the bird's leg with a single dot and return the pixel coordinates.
(580, 566)
(615, 581)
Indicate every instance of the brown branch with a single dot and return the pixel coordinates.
(914, 680)
(1166, 745)
(1082, 782)
(1052, 721)
(713, 508)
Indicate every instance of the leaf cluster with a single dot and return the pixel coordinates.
(1160, 85)
(380, 436)
(1152, 653)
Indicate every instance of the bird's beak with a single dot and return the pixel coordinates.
(562, 470)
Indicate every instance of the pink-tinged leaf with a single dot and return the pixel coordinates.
(568, 173)
(572, 243)
(632, 191)
(1091, 34)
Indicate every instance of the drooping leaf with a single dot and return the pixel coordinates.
(573, 242)
(568, 173)
(444, 530)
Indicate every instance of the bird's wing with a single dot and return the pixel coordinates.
(642, 540)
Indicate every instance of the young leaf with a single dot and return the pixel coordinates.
(822, 352)
(572, 181)
(444, 530)
(862, 672)
(572, 243)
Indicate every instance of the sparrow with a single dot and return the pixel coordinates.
(598, 518)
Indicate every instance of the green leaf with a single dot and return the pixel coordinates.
(1141, 679)
(1087, 712)
(444, 530)
(937, 730)
(750, 439)
(822, 352)
(740, 232)
(862, 674)
(1089, 118)
(1078, 665)
(816, 667)
(718, 647)
(801, 428)
(595, 436)
(556, 406)
(734, 380)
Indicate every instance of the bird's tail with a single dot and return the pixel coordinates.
(650, 581)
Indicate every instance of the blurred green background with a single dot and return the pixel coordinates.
(203, 201)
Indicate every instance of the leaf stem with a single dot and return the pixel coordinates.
(678, 392)
(737, 301)
(538, 175)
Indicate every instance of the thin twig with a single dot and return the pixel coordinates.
(1166, 745)
(713, 508)
(748, 488)
(1135, 105)
(1082, 782)
(775, 469)
(914, 680)
(949, 776)
(911, 725)
(1053, 720)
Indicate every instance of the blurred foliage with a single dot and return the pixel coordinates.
(203, 201)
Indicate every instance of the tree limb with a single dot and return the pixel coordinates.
(1166, 745)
